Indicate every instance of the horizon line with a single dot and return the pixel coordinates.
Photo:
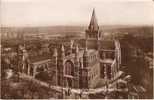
(83, 25)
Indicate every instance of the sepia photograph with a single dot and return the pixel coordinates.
(76, 49)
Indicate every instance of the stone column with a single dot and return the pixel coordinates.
(115, 71)
(112, 73)
(117, 65)
(28, 69)
(105, 71)
(23, 67)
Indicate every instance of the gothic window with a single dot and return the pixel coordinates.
(89, 78)
(59, 80)
(109, 72)
(92, 27)
(102, 71)
(80, 64)
(31, 71)
(89, 36)
(26, 67)
(84, 73)
(80, 61)
(69, 69)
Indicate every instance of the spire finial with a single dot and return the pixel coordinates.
(93, 11)
(93, 22)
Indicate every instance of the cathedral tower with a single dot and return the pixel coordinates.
(93, 33)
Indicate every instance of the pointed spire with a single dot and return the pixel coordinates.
(77, 49)
(55, 53)
(71, 43)
(62, 48)
(62, 51)
(93, 26)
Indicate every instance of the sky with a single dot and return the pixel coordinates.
(76, 12)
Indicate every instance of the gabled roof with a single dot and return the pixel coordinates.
(93, 26)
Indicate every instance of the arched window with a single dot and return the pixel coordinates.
(102, 69)
(69, 69)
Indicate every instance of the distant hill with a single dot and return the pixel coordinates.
(138, 30)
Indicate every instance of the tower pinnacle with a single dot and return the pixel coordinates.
(77, 49)
(62, 48)
(55, 53)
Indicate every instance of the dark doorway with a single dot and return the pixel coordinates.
(69, 82)
(102, 71)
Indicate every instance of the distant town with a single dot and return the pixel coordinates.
(77, 62)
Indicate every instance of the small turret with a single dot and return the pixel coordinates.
(85, 49)
(62, 48)
(55, 54)
(85, 57)
(76, 49)
(71, 44)
(62, 51)
(77, 53)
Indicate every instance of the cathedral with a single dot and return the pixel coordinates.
(79, 64)
(84, 66)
